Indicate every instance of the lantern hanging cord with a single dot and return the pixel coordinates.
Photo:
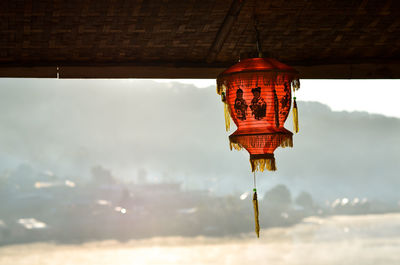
(258, 43)
(255, 22)
(254, 181)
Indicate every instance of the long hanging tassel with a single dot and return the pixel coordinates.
(295, 116)
(276, 106)
(227, 117)
(255, 206)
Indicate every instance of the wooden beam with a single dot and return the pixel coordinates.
(34, 71)
(331, 71)
(351, 71)
(224, 30)
(335, 71)
(138, 72)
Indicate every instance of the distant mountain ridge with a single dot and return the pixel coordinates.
(345, 153)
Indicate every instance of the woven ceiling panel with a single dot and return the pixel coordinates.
(117, 32)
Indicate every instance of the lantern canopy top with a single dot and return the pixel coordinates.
(259, 65)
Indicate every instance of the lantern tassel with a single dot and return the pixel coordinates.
(221, 89)
(255, 206)
(287, 142)
(235, 146)
(296, 84)
(227, 117)
(295, 116)
(260, 164)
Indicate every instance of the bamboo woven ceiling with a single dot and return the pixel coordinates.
(197, 38)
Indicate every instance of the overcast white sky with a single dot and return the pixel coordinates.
(374, 96)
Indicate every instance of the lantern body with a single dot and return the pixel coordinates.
(258, 94)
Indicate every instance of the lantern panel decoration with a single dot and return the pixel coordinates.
(257, 96)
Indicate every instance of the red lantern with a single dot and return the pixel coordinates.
(257, 96)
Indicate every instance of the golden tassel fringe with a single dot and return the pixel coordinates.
(255, 206)
(295, 117)
(235, 146)
(296, 84)
(259, 140)
(219, 89)
(262, 164)
(287, 142)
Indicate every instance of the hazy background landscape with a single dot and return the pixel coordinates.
(133, 167)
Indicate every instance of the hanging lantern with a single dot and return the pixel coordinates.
(257, 95)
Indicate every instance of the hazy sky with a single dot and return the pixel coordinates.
(374, 96)
(177, 130)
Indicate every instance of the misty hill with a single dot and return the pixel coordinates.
(176, 132)
(344, 154)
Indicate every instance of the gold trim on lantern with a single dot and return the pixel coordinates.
(237, 142)
(262, 162)
(287, 142)
(235, 146)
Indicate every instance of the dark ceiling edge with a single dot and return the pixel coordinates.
(331, 71)
(28, 71)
